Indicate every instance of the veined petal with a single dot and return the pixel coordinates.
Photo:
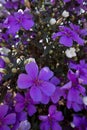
(31, 109)
(35, 94)
(24, 81)
(3, 110)
(56, 126)
(45, 74)
(32, 69)
(47, 88)
(19, 107)
(10, 119)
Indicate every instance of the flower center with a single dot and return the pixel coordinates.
(37, 82)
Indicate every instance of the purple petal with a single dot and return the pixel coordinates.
(79, 40)
(32, 69)
(56, 95)
(77, 120)
(45, 126)
(35, 94)
(27, 24)
(31, 109)
(3, 110)
(14, 29)
(55, 80)
(43, 118)
(4, 127)
(19, 98)
(69, 103)
(45, 74)
(21, 116)
(52, 109)
(55, 35)
(66, 41)
(19, 107)
(67, 86)
(58, 116)
(73, 95)
(56, 126)
(10, 119)
(24, 81)
(45, 99)
(47, 88)
(76, 107)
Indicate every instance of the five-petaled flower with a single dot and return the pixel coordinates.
(38, 82)
(51, 121)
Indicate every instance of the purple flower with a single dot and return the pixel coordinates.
(78, 30)
(17, 21)
(6, 119)
(73, 87)
(79, 122)
(51, 121)
(25, 103)
(20, 116)
(81, 68)
(67, 37)
(38, 82)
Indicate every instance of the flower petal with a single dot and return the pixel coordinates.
(45, 74)
(32, 69)
(35, 94)
(31, 109)
(4, 127)
(56, 126)
(24, 81)
(47, 88)
(19, 107)
(10, 119)
(66, 41)
(3, 110)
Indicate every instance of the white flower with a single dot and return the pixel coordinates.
(52, 21)
(72, 125)
(24, 125)
(70, 52)
(65, 14)
(85, 100)
(4, 50)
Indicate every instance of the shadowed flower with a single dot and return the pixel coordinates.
(74, 91)
(67, 37)
(25, 103)
(79, 122)
(51, 121)
(6, 119)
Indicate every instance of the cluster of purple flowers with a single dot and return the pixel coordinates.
(71, 34)
(18, 20)
(34, 97)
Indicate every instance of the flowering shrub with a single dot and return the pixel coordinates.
(43, 64)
